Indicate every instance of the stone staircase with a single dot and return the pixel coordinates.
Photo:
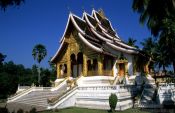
(135, 103)
(146, 100)
(96, 80)
(37, 97)
(97, 97)
(15, 106)
(94, 92)
(87, 92)
(92, 97)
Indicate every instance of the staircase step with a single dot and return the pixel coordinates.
(15, 106)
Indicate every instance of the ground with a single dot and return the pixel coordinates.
(84, 110)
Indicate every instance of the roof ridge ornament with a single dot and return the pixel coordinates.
(101, 13)
(68, 8)
(92, 5)
(83, 8)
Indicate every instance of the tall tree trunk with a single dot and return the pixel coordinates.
(174, 66)
(164, 70)
(39, 72)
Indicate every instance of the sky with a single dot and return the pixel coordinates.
(44, 22)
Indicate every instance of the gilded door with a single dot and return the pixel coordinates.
(121, 69)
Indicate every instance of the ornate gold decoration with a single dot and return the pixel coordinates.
(122, 61)
(107, 72)
(100, 64)
(84, 65)
(58, 70)
(92, 73)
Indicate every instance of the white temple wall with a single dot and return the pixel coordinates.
(130, 63)
(115, 70)
(129, 58)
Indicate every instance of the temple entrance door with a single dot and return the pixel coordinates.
(73, 66)
(80, 63)
(80, 69)
(76, 65)
(121, 69)
(74, 71)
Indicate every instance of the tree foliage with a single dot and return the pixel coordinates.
(8, 79)
(159, 15)
(149, 47)
(153, 12)
(6, 3)
(39, 52)
(131, 42)
(12, 75)
(2, 58)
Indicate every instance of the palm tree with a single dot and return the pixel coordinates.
(167, 38)
(153, 12)
(159, 15)
(149, 47)
(39, 52)
(131, 42)
(6, 3)
(161, 59)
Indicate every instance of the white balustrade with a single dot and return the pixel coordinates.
(166, 92)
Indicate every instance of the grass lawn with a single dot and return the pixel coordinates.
(84, 110)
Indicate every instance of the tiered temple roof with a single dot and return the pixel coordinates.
(96, 32)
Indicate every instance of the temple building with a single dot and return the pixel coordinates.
(91, 47)
(92, 62)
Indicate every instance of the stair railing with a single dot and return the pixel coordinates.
(54, 102)
(60, 85)
(72, 87)
(10, 99)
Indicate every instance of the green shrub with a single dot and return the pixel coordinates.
(113, 102)
(33, 110)
(20, 111)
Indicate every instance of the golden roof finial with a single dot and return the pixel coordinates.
(68, 8)
(101, 12)
(83, 8)
(92, 6)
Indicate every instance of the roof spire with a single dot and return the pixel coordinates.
(68, 8)
(101, 12)
(83, 8)
(92, 6)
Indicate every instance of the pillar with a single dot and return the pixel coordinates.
(147, 68)
(84, 65)
(68, 63)
(134, 65)
(126, 68)
(58, 70)
(100, 64)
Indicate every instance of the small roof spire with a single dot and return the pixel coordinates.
(68, 8)
(83, 8)
(101, 12)
(92, 6)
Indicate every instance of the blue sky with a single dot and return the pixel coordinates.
(44, 21)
